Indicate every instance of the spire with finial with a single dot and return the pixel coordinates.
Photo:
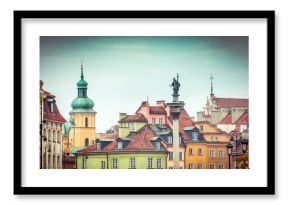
(82, 72)
(211, 85)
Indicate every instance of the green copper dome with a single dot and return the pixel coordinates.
(82, 83)
(82, 103)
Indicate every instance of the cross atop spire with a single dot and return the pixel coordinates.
(82, 73)
(211, 84)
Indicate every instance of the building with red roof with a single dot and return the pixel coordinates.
(51, 122)
(141, 149)
(216, 109)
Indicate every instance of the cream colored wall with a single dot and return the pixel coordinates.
(226, 127)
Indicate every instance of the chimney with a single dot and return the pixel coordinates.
(122, 115)
(160, 102)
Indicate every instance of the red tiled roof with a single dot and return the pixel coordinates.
(157, 110)
(107, 135)
(55, 116)
(134, 118)
(140, 140)
(227, 119)
(242, 120)
(232, 102)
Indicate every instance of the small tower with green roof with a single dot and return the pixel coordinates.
(82, 132)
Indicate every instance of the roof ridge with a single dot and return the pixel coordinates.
(143, 137)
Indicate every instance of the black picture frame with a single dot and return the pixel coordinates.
(268, 190)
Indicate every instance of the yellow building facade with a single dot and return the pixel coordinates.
(208, 150)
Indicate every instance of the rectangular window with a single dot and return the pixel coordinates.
(159, 163)
(170, 155)
(194, 136)
(115, 163)
(84, 163)
(53, 162)
(199, 152)
(170, 167)
(180, 155)
(211, 166)
(86, 122)
(99, 146)
(190, 151)
(58, 162)
(169, 140)
(199, 166)
(221, 153)
(160, 121)
(132, 163)
(180, 140)
(149, 163)
(211, 153)
(153, 121)
(158, 145)
(190, 166)
(120, 145)
(201, 127)
(103, 164)
(130, 126)
(221, 166)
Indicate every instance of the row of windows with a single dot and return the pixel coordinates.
(132, 162)
(130, 125)
(210, 166)
(154, 121)
(211, 152)
(170, 156)
(169, 139)
(54, 164)
(53, 136)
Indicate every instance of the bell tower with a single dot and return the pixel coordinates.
(82, 117)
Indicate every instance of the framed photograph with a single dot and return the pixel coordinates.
(144, 102)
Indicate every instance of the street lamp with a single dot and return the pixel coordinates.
(230, 149)
(244, 148)
(85, 157)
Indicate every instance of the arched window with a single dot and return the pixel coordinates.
(86, 142)
(86, 122)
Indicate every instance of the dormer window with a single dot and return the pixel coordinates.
(157, 145)
(194, 136)
(51, 107)
(169, 140)
(120, 145)
(99, 146)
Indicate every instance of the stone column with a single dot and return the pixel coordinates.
(175, 111)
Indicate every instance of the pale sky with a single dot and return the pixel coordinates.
(122, 71)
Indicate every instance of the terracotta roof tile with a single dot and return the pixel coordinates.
(227, 119)
(139, 140)
(157, 110)
(232, 102)
(134, 118)
(242, 120)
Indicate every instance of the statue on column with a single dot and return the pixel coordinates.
(175, 84)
